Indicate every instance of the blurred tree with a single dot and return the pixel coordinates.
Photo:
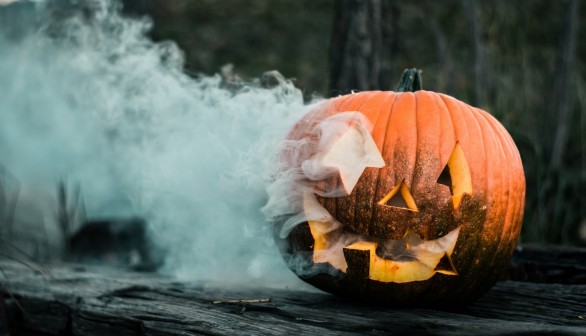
(563, 88)
(444, 53)
(472, 13)
(551, 194)
(363, 45)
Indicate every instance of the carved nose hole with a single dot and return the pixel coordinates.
(456, 175)
(399, 197)
(397, 201)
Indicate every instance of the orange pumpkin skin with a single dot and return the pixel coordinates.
(416, 134)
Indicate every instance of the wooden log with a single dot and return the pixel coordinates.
(548, 264)
(81, 300)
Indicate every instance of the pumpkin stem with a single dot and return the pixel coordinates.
(410, 81)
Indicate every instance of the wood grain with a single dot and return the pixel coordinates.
(83, 300)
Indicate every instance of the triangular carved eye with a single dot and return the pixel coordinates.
(456, 175)
(445, 178)
(399, 197)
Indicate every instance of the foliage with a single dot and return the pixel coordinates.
(256, 36)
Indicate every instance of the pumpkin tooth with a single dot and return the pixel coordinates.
(446, 266)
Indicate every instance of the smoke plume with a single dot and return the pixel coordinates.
(86, 97)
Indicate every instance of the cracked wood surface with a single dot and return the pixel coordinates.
(82, 300)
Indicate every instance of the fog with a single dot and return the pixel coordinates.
(88, 99)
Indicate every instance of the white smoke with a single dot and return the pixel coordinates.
(337, 147)
(325, 154)
(88, 98)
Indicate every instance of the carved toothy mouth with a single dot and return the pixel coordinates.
(404, 260)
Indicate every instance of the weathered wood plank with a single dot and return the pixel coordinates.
(96, 301)
(548, 264)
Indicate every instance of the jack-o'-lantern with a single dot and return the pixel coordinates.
(400, 198)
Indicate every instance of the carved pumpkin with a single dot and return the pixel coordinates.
(403, 198)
